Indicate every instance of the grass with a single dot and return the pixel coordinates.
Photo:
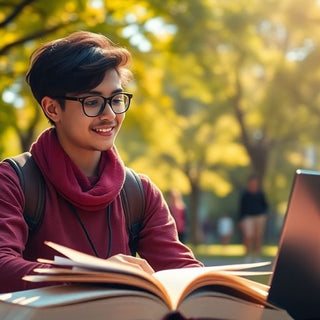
(225, 251)
(228, 253)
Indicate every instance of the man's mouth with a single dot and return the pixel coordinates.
(103, 130)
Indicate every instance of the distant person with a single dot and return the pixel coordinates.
(178, 209)
(253, 215)
(225, 229)
(208, 230)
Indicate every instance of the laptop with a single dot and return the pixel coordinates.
(295, 282)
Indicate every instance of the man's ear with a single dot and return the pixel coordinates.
(51, 108)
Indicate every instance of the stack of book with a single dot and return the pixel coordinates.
(86, 287)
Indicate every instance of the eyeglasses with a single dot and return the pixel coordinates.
(93, 106)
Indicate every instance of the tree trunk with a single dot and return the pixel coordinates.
(194, 205)
(257, 148)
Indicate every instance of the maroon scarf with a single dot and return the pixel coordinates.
(70, 182)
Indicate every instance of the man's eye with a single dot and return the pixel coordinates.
(92, 102)
(117, 101)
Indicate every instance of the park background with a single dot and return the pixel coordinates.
(221, 88)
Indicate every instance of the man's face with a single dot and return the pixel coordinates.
(79, 134)
(253, 185)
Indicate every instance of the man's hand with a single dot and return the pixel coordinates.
(137, 263)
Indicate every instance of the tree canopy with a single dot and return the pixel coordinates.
(221, 88)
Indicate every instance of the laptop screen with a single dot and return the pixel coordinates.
(295, 282)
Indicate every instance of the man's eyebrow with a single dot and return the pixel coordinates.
(100, 93)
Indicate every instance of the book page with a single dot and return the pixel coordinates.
(180, 282)
(92, 262)
(62, 295)
(79, 301)
(98, 270)
(170, 285)
(79, 275)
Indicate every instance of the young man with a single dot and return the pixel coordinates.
(79, 83)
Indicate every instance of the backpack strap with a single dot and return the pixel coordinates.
(33, 186)
(133, 202)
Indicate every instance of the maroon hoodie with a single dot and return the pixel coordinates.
(68, 188)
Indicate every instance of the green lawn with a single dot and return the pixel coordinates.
(231, 253)
(231, 250)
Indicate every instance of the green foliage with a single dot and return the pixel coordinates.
(221, 87)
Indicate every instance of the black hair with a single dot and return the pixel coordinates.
(75, 64)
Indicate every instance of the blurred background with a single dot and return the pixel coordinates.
(222, 88)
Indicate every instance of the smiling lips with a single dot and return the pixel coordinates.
(104, 130)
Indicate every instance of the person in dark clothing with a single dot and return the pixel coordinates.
(253, 216)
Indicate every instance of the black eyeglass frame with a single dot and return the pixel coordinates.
(105, 101)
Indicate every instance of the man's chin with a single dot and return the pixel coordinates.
(105, 147)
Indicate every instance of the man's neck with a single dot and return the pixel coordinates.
(87, 161)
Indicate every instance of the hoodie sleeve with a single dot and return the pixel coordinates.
(159, 243)
(13, 233)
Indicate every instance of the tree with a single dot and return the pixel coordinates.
(221, 87)
(236, 60)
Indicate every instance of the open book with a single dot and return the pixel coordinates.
(101, 289)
